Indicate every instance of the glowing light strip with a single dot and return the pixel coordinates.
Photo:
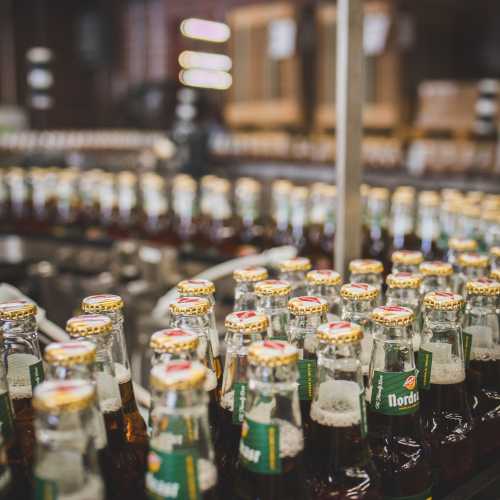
(204, 60)
(201, 29)
(208, 79)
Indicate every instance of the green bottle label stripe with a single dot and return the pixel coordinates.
(279, 337)
(259, 447)
(45, 489)
(424, 364)
(172, 475)
(240, 395)
(394, 393)
(424, 495)
(307, 378)
(467, 343)
(36, 373)
(364, 421)
(6, 417)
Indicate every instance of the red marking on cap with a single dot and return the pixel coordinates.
(437, 263)
(393, 308)
(337, 325)
(197, 282)
(274, 344)
(276, 282)
(178, 366)
(403, 274)
(71, 345)
(245, 314)
(363, 286)
(487, 281)
(307, 298)
(444, 294)
(325, 271)
(175, 332)
(187, 300)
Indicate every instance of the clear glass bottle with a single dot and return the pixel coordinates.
(154, 207)
(127, 480)
(401, 223)
(472, 266)
(406, 261)
(482, 341)
(428, 229)
(244, 291)
(397, 440)
(181, 457)
(206, 289)
(306, 314)
(456, 246)
(125, 213)
(490, 233)
(243, 328)
(66, 466)
(248, 205)
(338, 451)
(325, 283)
(403, 289)
(368, 271)
(112, 306)
(446, 412)
(272, 299)
(298, 224)
(294, 271)
(280, 212)
(24, 370)
(358, 300)
(271, 446)
(494, 258)
(184, 210)
(376, 236)
(436, 275)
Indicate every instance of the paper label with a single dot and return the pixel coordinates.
(240, 395)
(467, 343)
(36, 373)
(395, 393)
(307, 378)
(45, 489)
(424, 365)
(6, 417)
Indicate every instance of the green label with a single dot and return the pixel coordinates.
(424, 495)
(394, 393)
(467, 343)
(45, 489)
(172, 475)
(279, 337)
(260, 447)
(364, 421)
(307, 378)
(240, 396)
(6, 417)
(36, 373)
(182, 430)
(424, 364)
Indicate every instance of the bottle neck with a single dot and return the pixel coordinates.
(435, 283)
(73, 372)
(401, 219)
(297, 280)
(374, 279)
(357, 311)
(244, 296)
(377, 214)
(281, 212)
(406, 297)
(428, 228)
(328, 292)
(302, 332)
(247, 208)
(183, 204)
(154, 203)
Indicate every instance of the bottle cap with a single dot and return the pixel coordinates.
(365, 266)
(393, 315)
(495, 251)
(195, 288)
(462, 244)
(88, 324)
(379, 193)
(307, 305)
(469, 210)
(250, 274)
(246, 322)
(359, 291)
(272, 353)
(70, 353)
(472, 259)
(483, 286)
(16, 309)
(436, 268)
(246, 184)
(273, 287)
(178, 375)
(428, 199)
(295, 264)
(191, 306)
(282, 185)
(495, 274)
(408, 257)
(403, 280)
(173, 340)
(443, 301)
(102, 303)
(58, 396)
(339, 332)
(324, 277)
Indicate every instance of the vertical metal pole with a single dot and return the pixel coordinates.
(349, 131)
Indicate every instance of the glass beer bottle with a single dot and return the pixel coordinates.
(397, 440)
(472, 266)
(428, 228)
(294, 271)
(402, 220)
(272, 299)
(244, 291)
(368, 271)
(406, 261)
(325, 283)
(436, 275)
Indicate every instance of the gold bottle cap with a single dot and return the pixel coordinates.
(324, 277)
(339, 332)
(468, 210)
(483, 286)
(88, 324)
(173, 340)
(178, 375)
(407, 257)
(250, 274)
(195, 288)
(393, 315)
(183, 182)
(495, 274)
(70, 353)
(59, 396)
(462, 244)
(295, 264)
(450, 193)
(495, 251)
(246, 322)
(16, 309)
(282, 186)
(272, 353)
(379, 193)
(472, 259)
(102, 303)
(491, 216)
(191, 306)
(359, 291)
(403, 280)
(436, 268)
(276, 288)
(444, 301)
(247, 184)
(307, 305)
(403, 198)
(365, 266)
(428, 198)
